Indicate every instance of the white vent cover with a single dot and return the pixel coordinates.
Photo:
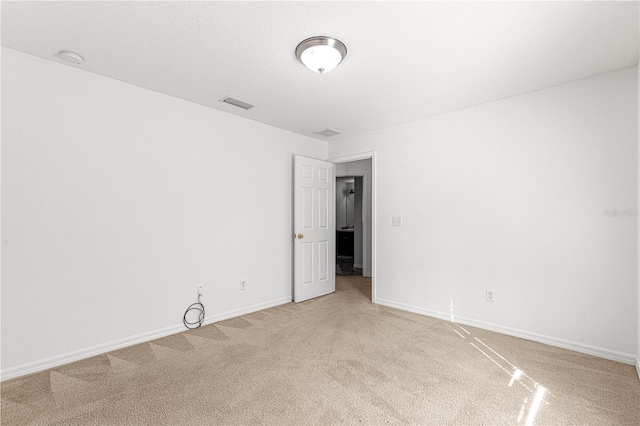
(328, 132)
(237, 102)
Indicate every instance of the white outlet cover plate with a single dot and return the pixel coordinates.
(491, 295)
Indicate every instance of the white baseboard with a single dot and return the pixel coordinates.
(414, 309)
(548, 340)
(55, 361)
(247, 310)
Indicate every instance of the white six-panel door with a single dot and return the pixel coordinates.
(314, 229)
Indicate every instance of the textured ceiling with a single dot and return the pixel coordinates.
(405, 61)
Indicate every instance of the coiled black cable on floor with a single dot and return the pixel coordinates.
(197, 307)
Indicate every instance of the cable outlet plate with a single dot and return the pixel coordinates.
(491, 295)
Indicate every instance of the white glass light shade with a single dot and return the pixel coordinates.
(321, 58)
(321, 54)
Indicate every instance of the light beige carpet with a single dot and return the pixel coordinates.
(337, 359)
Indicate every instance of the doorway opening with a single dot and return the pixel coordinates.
(349, 225)
(355, 219)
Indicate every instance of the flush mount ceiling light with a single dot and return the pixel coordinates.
(70, 57)
(321, 54)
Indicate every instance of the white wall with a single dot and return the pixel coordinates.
(119, 201)
(511, 196)
(361, 168)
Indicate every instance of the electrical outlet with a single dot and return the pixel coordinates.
(200, 290)
(243, 284)
(396, 221)
(491, 295)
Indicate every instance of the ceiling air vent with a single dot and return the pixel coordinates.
(328, 132)
(237, 102)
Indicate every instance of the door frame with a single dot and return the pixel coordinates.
(372, 181)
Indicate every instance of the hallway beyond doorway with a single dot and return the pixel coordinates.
(344, 266)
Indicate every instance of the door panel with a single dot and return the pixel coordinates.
(314, 228)
(307, 263)
(323, 260)
(323, 209)
(307, 208)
